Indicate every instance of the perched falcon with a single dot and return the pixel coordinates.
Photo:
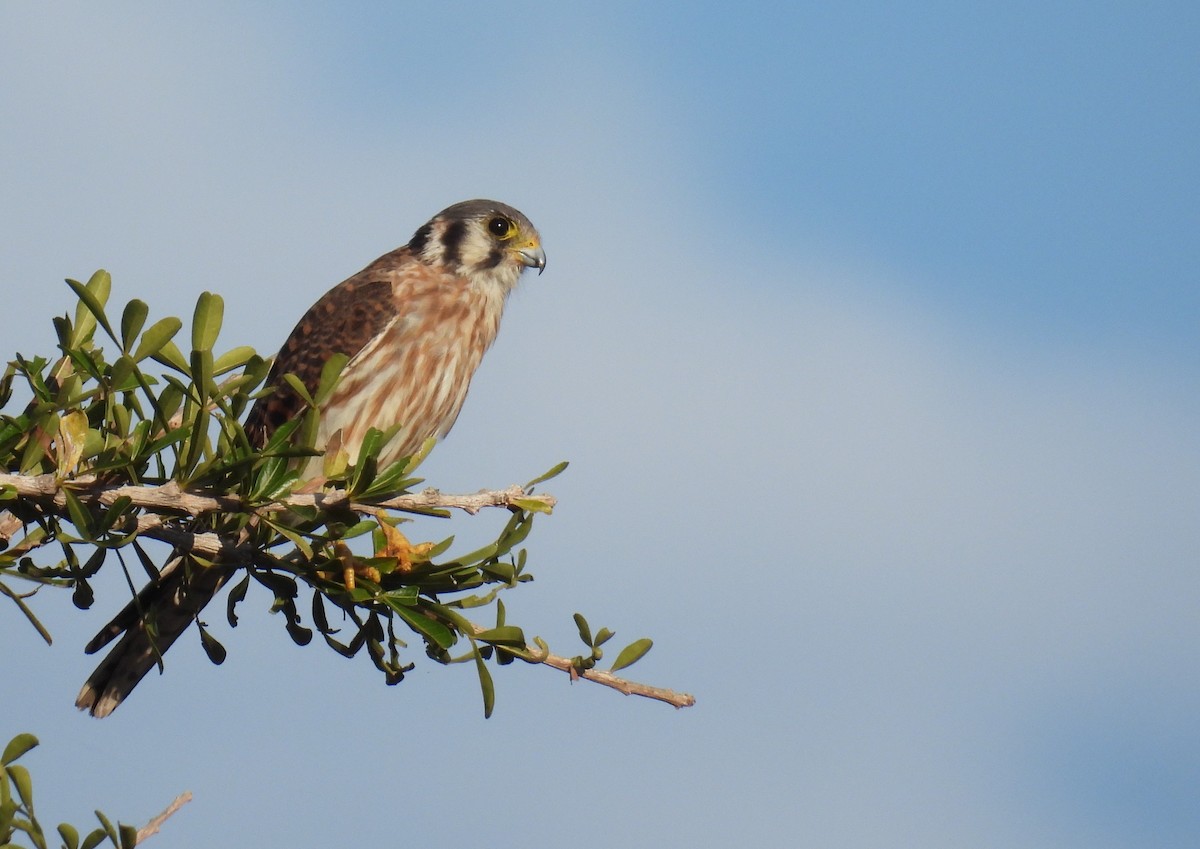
(415, 324)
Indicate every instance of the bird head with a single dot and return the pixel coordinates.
(481, 240)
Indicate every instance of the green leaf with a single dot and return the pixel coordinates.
(293, 537)
(92, 298)
(154, 339)
(532, 505)
(232, 359)
(133, 319)
(16, 747)
(171, 357)
(215, 651)
(128, 836)
(298, 385)
(72, 433)
(632, 653)
(122, 377)
(198, 441)
(22, 781)
(100, 285)
(417, 459)
(94, 839)
(206, 321)
(119, 506)
(202, 372)
(389, 481)
(69, 835)
(486, 684)
(552, 473)
(433, 630)
(80, 517)
(330, 373)
(170, 399)
(405, 595)
(94, 562)
(177, 435)
(108, 827)
(585, 632)
(366, 467)
(235, 597)
(283, 586)
(505, 635)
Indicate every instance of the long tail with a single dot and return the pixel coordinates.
(150, 623)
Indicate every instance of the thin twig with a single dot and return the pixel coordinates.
(629, 688)
(152, 827)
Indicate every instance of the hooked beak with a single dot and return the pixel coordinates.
(531, 255)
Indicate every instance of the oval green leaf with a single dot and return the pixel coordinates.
(159, 334)
(585, 632)
(632, 653)
(206, 321)
(331, 372)
(505, 635)
(485, 684)
(431, 629)
(16, 747)
(24, 784)
(90, 309)
(215, 651)
(233, 358)
(133, 319)
(69, 835)
(552, 473)
(94, 839)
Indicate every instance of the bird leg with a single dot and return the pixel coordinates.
(351, 568)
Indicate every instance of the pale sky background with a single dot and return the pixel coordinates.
(870, 333)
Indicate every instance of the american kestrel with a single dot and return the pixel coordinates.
(415, 324)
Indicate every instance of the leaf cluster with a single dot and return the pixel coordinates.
(17, 813)
(154, 414)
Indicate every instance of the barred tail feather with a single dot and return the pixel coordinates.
(150, 623)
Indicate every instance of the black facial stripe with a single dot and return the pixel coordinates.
(495, 257)
(420, 239)
(452, 242)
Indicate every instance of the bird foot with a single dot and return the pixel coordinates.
(352, 570)
(396, 544)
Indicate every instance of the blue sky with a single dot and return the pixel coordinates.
(870, 334)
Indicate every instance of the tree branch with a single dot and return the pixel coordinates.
(171, 497)
(629, 688)
(152, 827)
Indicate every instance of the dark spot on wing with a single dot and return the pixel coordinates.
(343, 321)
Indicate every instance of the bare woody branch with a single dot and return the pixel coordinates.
(153, 826)
(170, 497)
(629, 688)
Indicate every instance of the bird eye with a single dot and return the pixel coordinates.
(501, 227)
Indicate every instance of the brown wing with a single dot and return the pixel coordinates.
(343, 321)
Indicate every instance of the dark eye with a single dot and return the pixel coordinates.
(500, 227)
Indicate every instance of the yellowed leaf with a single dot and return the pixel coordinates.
(72, 433)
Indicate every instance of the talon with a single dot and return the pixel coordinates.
(352, 570)
(397, 545)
